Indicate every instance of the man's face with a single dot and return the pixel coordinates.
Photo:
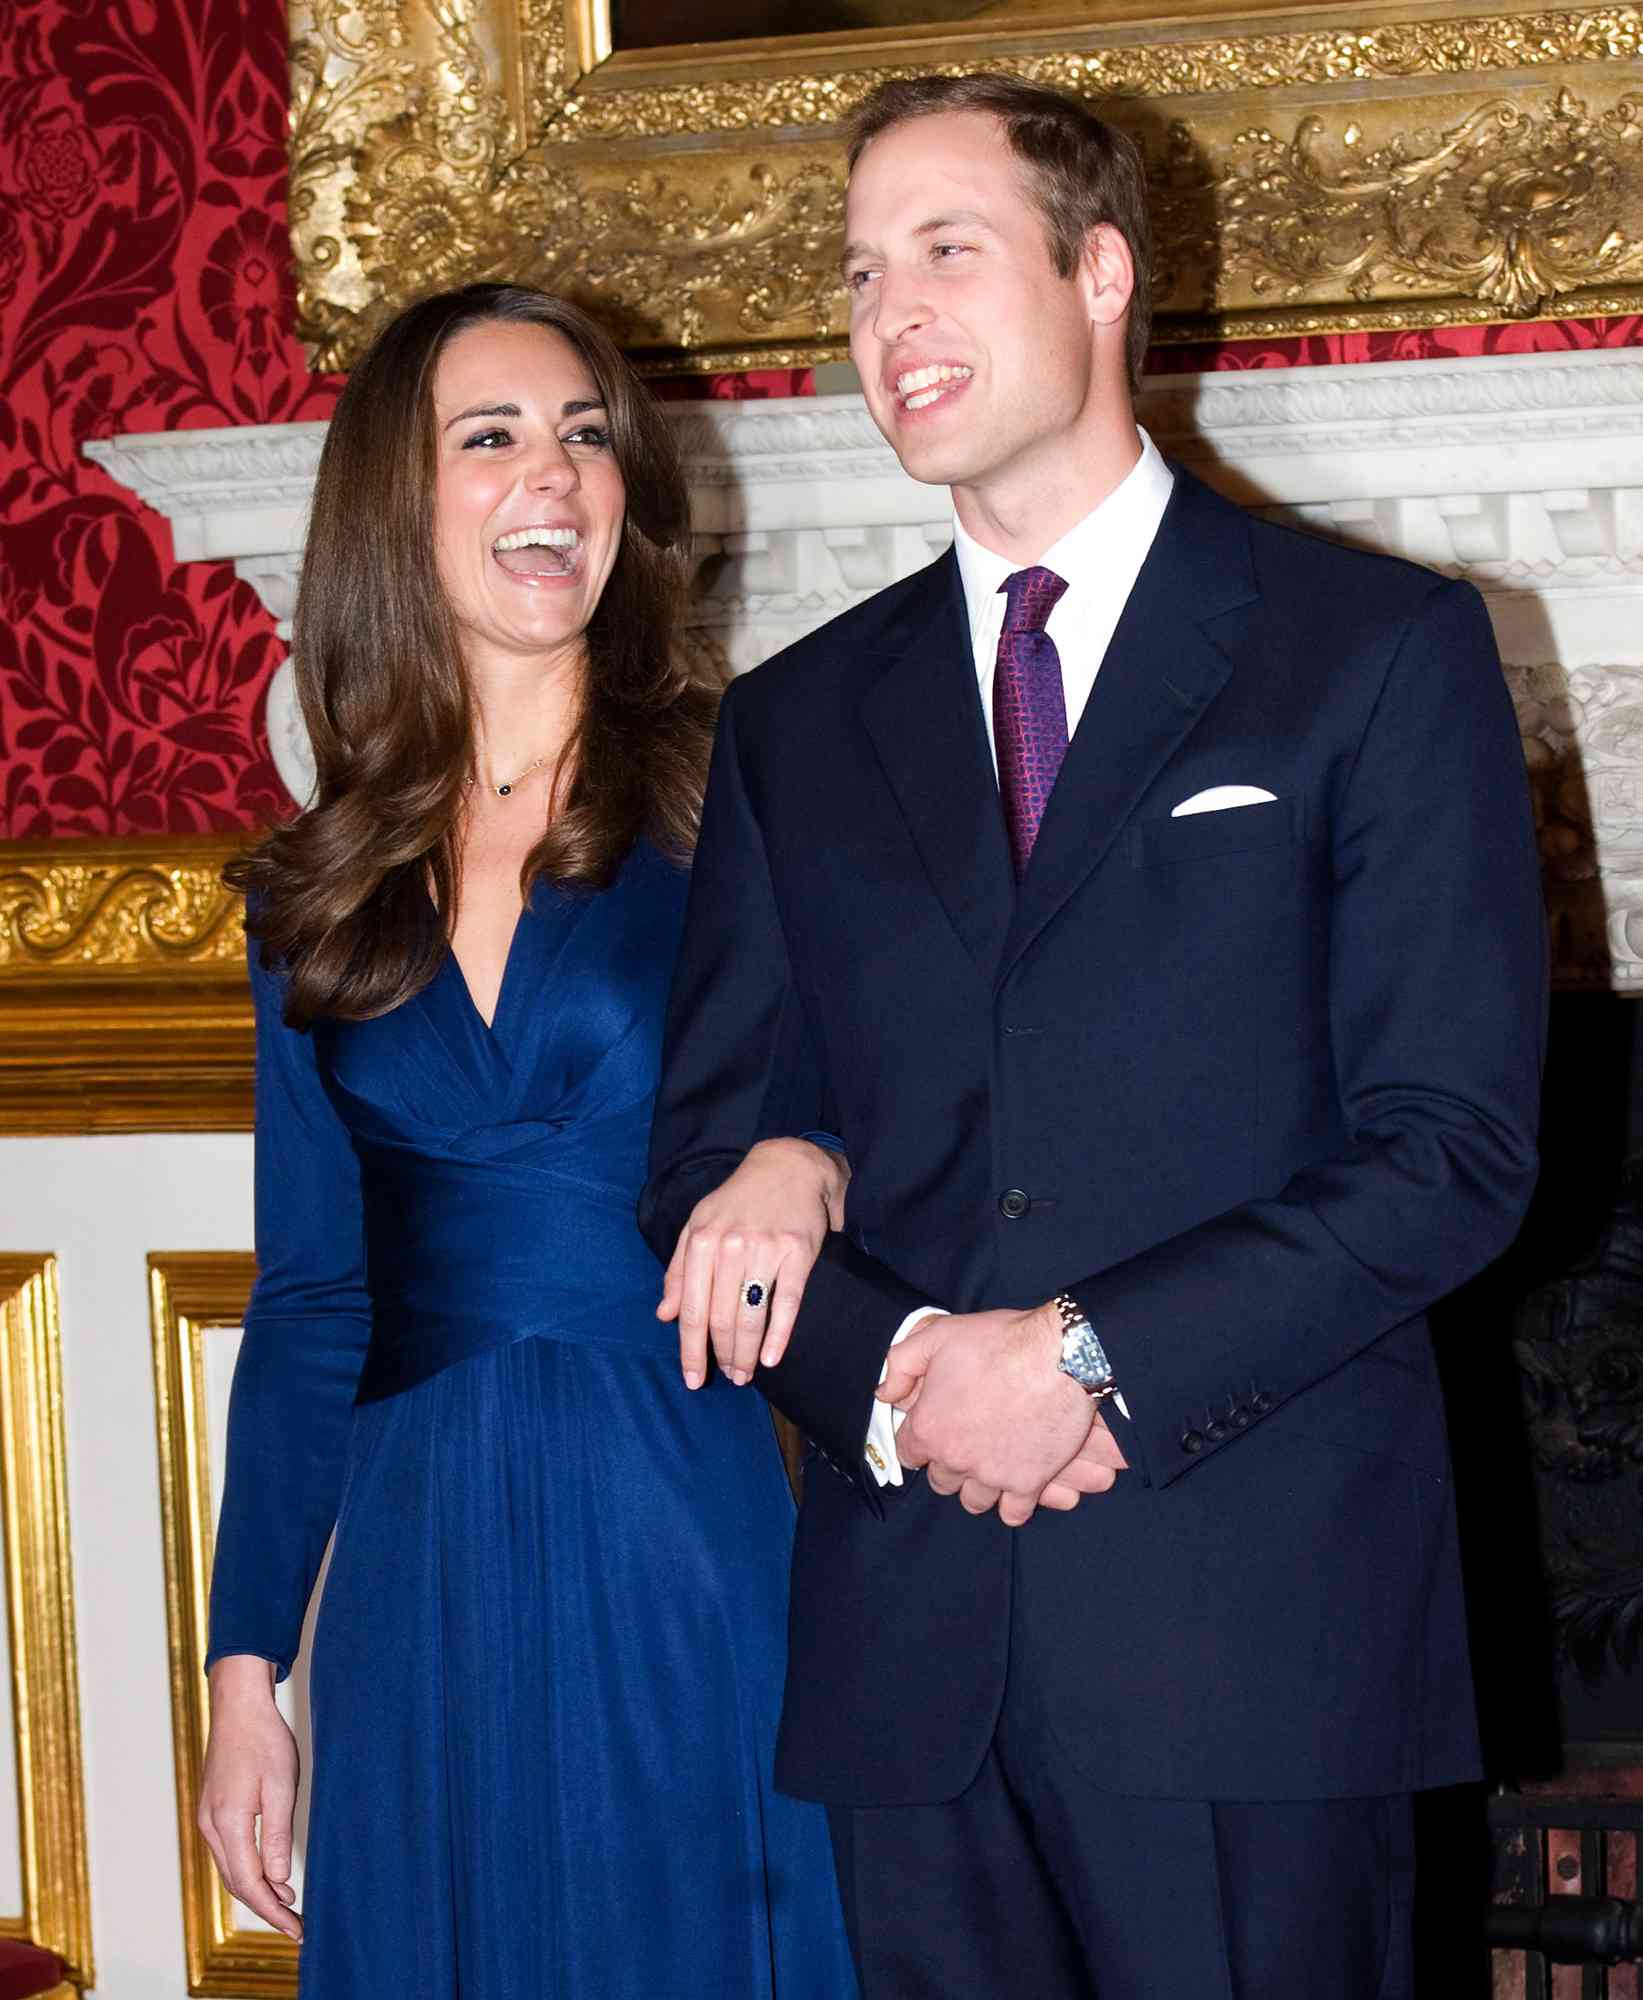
(975, 356)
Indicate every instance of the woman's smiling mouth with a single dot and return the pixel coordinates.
(540, 551)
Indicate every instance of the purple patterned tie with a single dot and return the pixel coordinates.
(1029, 707)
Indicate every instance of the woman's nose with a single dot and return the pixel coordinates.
(552, 470)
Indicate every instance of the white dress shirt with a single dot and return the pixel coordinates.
(1099, 557)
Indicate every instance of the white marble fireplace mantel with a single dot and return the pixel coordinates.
(1523, 473)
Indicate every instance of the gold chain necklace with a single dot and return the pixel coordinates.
(504, 791)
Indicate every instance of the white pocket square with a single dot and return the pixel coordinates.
(1219, 797)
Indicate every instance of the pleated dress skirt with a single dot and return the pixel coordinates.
(545, 1685)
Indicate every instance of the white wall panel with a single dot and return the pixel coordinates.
(102, 1204)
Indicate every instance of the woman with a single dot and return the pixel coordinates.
(546, 1668)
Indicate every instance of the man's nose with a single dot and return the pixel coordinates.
(901, 306)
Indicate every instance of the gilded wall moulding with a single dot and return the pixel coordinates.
(1321, 173)
(194, 1298)
(116, 908)
(122, 988)
(39, 1577)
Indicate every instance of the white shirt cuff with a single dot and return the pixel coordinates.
(882, 1459)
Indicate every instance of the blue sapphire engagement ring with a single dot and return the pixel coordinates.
(753, 1293)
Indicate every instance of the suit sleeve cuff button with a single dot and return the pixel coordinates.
(1192, 1442)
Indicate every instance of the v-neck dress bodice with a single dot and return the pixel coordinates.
(546, 1669)
(499, 1163)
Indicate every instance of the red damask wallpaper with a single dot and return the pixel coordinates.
(145, 285)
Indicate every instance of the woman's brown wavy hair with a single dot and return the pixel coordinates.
(339, 897)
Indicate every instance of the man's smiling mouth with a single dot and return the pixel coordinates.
(918, 388)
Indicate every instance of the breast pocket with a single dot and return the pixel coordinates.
(1163, 843)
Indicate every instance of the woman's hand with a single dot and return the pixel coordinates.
(251, 1774)
(764, 1226)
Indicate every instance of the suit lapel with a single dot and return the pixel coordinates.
(1162, 670)
(923, 714)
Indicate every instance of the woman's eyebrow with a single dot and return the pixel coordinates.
(486, 410)
(577, 407)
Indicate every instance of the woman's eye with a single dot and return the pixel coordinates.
(589, 435)
(487, 439)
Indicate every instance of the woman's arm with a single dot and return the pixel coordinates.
(304, 1342)
(251, 1772)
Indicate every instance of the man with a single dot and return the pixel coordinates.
(1147, 897)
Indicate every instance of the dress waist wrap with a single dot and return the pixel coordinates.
(466, 1255)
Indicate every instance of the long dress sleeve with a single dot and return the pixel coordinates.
(304, 1344)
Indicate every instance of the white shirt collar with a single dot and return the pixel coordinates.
(1110, 543)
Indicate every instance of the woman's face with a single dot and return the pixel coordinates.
(529, 501)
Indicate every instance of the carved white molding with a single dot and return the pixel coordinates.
(226, 493)
(1522, 472)
(1583, 736)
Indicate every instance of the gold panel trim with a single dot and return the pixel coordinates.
(39, 1563)
(123, 997)
(190, 1294)
(1312, 172)
(107, 908)
(1153, 66)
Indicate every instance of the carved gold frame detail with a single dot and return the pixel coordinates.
(1394, 165)
(39, 1583)
(190, 1295)
(122, 988)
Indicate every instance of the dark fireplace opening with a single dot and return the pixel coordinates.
(1542, 1362)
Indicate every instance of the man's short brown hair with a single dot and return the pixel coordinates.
(1079, 170)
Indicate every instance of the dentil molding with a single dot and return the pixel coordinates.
(1523, 473)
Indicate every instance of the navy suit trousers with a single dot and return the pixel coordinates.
(1034, 1883)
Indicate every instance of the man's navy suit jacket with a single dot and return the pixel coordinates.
(1268, 1080)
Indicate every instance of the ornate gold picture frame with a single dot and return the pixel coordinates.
(193, 1295)
(1398, 165)
(39, 1581)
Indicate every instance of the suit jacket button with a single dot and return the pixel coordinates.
(1260, 1402)
(1192, 1442)
(1014, 1203)
(1215, 1431)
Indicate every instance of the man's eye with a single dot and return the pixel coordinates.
(948, 249)
(487, 439)
(856, 281)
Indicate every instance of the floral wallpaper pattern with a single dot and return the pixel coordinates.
(145, 285)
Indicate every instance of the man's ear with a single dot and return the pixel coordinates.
(1106, 274)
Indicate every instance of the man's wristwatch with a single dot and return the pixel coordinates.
(1082, 1355)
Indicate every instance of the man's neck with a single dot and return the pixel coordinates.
(1029, 508)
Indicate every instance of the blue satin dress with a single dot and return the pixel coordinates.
(547, 1664)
